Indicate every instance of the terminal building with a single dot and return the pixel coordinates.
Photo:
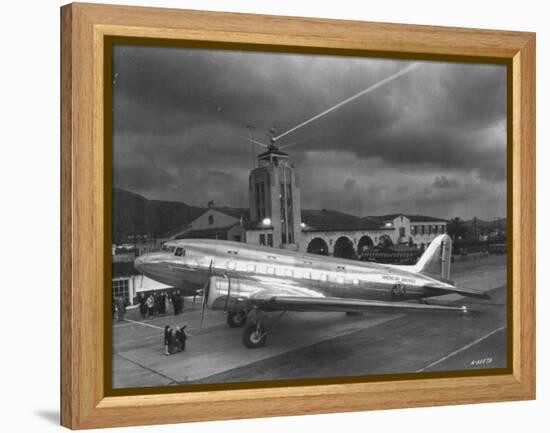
(275, 218)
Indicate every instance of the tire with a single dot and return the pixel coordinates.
(236, 319)
(251, 339)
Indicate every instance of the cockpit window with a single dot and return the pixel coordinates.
(180, 252)
(168, 248)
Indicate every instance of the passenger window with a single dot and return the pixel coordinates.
(288, 272)
(355, 281)
(270, 270)
(340, 279)
(180, 252)
(251, 268)
(230, 265)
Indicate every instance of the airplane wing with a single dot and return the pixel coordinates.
(300, 303)
(280, 295)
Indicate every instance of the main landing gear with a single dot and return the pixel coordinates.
(255, 336)
(236, 319)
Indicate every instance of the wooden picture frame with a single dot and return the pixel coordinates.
(85, 212)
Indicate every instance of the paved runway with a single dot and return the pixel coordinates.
(309, 345)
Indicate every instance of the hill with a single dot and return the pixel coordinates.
(134, 214)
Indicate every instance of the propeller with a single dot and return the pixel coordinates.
(206, 291)
(228, 292)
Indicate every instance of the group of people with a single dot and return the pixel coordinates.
(174, 339)
(119, 307)
(156, 303)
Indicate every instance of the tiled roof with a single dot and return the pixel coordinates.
(420, 218)
(315, 220)
(321, 220)
(412, 218)
(220, 232)
(235, 212)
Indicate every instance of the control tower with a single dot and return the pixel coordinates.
(274, 196)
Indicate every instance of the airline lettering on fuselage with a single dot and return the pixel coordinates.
(399, 279)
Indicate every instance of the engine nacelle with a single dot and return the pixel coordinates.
(222, 292)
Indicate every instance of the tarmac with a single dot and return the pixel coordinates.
(315, 345)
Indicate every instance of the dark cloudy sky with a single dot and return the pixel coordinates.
(432, 141)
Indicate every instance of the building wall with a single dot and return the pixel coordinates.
(330, 237)
(402, 230)
(428, 234)
(254, 237)
(296, 208)
(219, 219)
(399, 233)
(236, 233)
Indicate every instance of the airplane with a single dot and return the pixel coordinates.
(249, 281)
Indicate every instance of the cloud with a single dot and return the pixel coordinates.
(179, 116)
(444, 182)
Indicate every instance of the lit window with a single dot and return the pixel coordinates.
(340, 279)
(355, 282)
(288, 272)
(251, 268)
(270, 270)
(230, 265)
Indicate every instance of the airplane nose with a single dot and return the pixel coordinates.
(147, 260)
(139, 262)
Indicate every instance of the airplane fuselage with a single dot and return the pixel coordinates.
(244, 270)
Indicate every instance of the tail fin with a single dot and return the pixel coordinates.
(436, 260)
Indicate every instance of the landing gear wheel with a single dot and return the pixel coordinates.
(236, 319)
(254, 336)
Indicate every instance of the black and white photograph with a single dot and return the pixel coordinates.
(295, 216)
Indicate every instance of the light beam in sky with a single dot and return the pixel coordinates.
(352, 98)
